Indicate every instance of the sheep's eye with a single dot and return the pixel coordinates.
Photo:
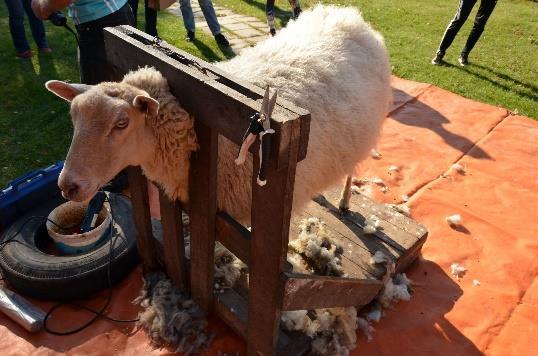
(122, 122)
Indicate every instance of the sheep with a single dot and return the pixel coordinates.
(329, 61)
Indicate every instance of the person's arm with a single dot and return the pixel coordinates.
(43, 8)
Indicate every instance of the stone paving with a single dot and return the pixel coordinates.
(242, 31)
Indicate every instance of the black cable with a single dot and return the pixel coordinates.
(4, 242)
(98, 313)
(58, 19)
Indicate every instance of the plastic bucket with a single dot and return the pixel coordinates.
(71, 214)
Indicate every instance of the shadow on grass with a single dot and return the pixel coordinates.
(283, 15)
(529, 86)
(210, 54)
(468, 69)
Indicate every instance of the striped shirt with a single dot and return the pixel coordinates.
(82, 11)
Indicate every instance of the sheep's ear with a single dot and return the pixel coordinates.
(66, 91)
(147, 104)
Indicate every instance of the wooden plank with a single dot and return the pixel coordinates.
(232, 308)
(234, 236)
(222, 107)
(350, 264)
(138, 188)
(173, 242)
(358, 247)
(271, 216)
(314, 292)
(401, 228)
(203, 210)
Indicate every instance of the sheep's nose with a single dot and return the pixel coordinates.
(69, 189)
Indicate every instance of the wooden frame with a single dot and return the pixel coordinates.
(222, 105)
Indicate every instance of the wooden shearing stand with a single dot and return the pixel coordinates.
(223, 106)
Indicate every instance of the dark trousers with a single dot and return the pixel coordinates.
(16, 10)
(464, 9)
(150, 15)
(94, 67)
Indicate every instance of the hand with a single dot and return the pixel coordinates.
(43, 8)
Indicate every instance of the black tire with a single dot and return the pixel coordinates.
(37, 274)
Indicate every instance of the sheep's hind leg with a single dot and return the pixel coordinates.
(346, 196)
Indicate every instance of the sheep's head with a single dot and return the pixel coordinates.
(110, 133)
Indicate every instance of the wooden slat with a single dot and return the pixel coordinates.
(406, 230)
(357, 246)
(315, 292)
(203, 209)
(234, 236)
(221, 106)
(271, 215)
(350, 264)
(173, 243)
(138, 188)
(232, 308)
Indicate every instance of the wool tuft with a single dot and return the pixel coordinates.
(375, 154)
(170, 317)
(458, 168)
(454, 220)
(319, 255)
(379, 257)
(457, 270)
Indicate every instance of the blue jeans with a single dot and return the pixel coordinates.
(16, 9)
(207, 10)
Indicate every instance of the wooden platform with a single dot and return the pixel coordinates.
(398, 237)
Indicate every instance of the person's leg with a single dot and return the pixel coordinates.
(134, 7)
(482, 16)
(16, 25)
(36, 25)
(295, 8)
(186, 13)
(210, 16)
(464, 9)
(151, 19)
(270, 12)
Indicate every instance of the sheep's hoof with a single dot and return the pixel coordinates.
(343, 207)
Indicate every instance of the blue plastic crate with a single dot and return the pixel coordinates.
(24, 193)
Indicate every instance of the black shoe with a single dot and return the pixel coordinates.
(190, 36)
(221, 40)
(272, 32)
(438, 59)
(464, 60)
(296, 12)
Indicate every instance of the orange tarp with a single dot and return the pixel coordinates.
(427, 131)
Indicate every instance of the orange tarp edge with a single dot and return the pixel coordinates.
(428, 129)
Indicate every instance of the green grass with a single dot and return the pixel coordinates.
(504, 68)
(35, 128)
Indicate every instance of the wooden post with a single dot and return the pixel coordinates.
(139, 198)
(203, 211)
(173, 241)
(271, 214)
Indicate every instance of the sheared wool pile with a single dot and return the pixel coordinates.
(228, 268)
(395, 288)
(333, 330)
(313, 252)
(170, 317)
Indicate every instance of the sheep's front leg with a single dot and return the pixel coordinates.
(346, 196)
